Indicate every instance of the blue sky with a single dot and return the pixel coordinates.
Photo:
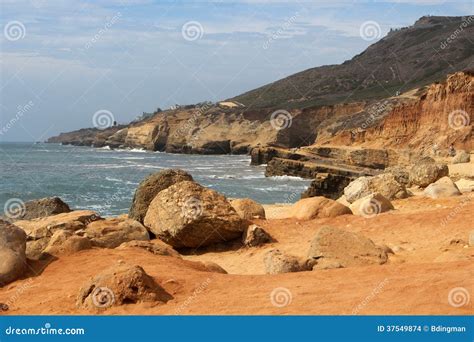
(62, 61)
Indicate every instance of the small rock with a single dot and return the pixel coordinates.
(371, 205)
(4, 307)
(255, 236)
(121, 285)
(443, 187)
(248, 209)
(317, 207)
(461, 157)
(213, 267)
(277, 262)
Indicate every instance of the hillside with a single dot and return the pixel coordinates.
(407, 58)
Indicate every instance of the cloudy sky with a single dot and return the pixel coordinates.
(64, 60)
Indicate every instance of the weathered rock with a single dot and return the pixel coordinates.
(112, 232)
(190, 215)
(278, 262)
(333, 245)
(213, 267)
(43, 207)
(155, 246)
(121, 285)
(12, 252)
(461, 157)
(45, 227)
(248, 209)
(385, 184)
(443, 187)
(328, 185)
(400, 173)
(255, 236)
(371, 205)
(150, 187)
(64, 243)
(317, 207)
(426, 172)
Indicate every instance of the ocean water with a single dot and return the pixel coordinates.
(105, 180)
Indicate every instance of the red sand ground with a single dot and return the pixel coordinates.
(416, 280)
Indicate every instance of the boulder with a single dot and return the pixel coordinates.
(155, 246)
(278, 262)
(112, 232)
(12, 252)
(328, 185)
(443, 187)
(43, 207)
(119, 285)
(190, 215)
(317, 207)
(461, 157)
(248, 209)
(150, 187)
(400, 173)
(46, 226)
(65, 243)
(385, 184)
(255, 236)
(336, 246)
(426, 172)
(371, 205)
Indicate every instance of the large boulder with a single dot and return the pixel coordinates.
(255, 236)
(443, 187)
(385, 184)
(336, 246)
(12, 252)
(278, 262)
(248, 209)
(150, 187)
(317, 207)
(121, 285)
(425, 172)
(461, 157)
(371, 205)
(112, 232)
(43, 207)
(190, 215)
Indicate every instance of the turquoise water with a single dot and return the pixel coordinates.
(105, 180)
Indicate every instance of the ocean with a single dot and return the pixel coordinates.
(105, 180)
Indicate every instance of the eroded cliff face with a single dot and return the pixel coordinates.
(426, 120)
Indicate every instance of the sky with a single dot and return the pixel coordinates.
(64, 61)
